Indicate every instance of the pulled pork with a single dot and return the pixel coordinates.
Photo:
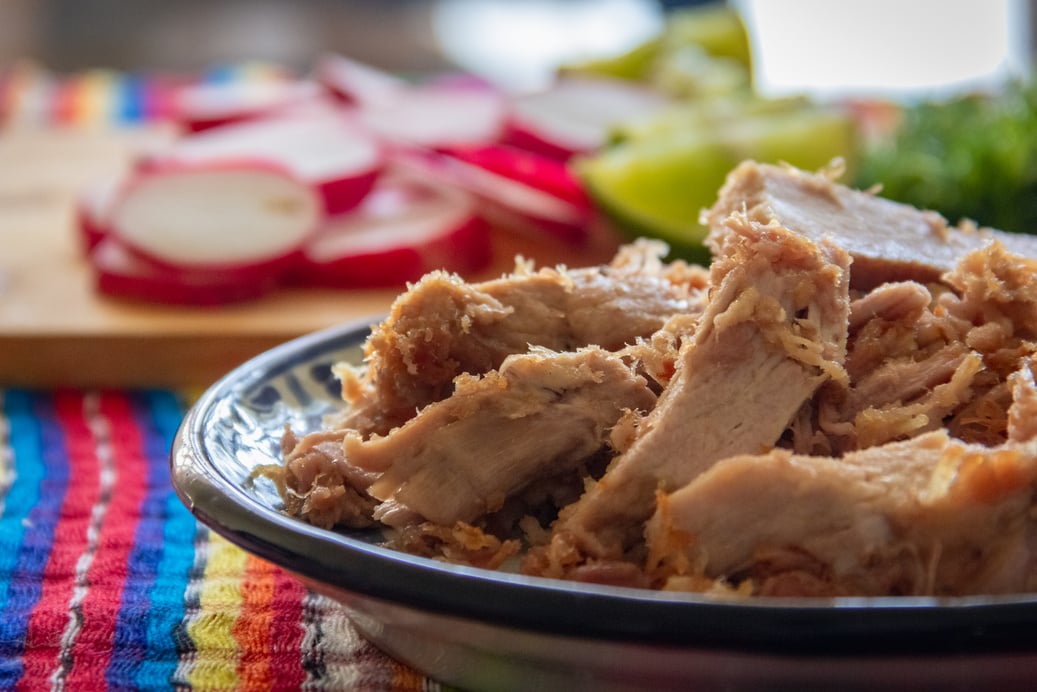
(844, 403)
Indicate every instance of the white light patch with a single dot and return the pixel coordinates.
(520, 44)
(893, 48)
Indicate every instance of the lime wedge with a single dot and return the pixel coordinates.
(700, 114)
(699, 49)
(634, 64)
(656, 186)
(718, 29)
(705, 52)
(691, 73)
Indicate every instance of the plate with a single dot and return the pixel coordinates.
(488, 630)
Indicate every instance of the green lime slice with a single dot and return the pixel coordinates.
(672, 57)
(691, 73)
(718, 29)
(657, 186)
(706, 113)
(634, 64)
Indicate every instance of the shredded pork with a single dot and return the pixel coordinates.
(843, 403)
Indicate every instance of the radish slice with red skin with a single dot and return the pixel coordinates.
(460, 80)
(199, 107)
(326, 106)
(120, 273)
(92, 210)
(321, 147)
(506, 201)
(245, 219)
(355, 82)
(529, 168)
(575, 114)
(447, 110)
(442, 115)
(403, 230)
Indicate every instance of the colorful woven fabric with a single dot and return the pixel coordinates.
(32, 95)
(107, 581)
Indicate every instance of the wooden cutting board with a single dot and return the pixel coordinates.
(56, 331)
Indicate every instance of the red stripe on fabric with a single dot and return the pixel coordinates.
(63, 105)
(287, 631)
(50, 617)
(159, 100)
(92, 650)
(268, 629)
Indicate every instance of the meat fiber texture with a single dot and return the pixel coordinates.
(843, 403)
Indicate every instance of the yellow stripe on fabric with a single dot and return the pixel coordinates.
(261, 72)
(215, 666)
(191, 395)
(95, 98)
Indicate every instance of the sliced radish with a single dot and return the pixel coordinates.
(323, 148)
(92, 210)
(439, 115)
(118, 272)
(460, 80)
(404, 229)
(324, 106)
(200, 107)
(575, 114)
(534, 170)
(508, 198)
(355, 82)
(244, 219)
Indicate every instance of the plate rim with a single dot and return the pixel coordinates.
(786, 626)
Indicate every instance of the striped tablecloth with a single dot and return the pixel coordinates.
(31, 95)
(107, 581)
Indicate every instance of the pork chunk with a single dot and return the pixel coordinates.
(443, 327)
(540, 415)
(773, 331)
(316, 482)
(888, 241)
(927, 516)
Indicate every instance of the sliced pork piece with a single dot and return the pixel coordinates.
(889, 322)
(542, 414)
(316, 483)
(773, 331)
(889, 241)
(929, 516)
(904, 301)
(443, 327)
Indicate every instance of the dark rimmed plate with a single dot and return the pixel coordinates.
(480, 629)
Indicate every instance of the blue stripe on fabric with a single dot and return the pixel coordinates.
(132, 92)
(143, 560)
(24, 440)
(31, 512)
(221, 74)
(175, 558)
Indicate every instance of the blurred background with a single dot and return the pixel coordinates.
(930, 101)
(399, 35)
(812, 45)
(99, 62)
